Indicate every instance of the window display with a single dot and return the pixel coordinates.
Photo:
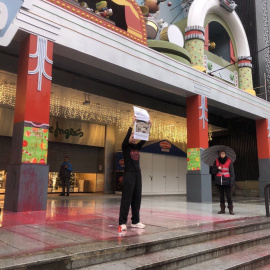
(79, 182)
(55, 185)
(3, 177)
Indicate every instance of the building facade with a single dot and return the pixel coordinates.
(71, 71)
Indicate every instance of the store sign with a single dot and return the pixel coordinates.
(60, 130)
(165, 146)
(57, 131)
(76, 132)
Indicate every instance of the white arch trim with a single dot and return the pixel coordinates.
(200, 8)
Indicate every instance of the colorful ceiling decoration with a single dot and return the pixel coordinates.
(129, 22)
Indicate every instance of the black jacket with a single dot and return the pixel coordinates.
(65, 172)
(131, 153)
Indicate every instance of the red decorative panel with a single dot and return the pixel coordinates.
(132, 17)
(34, 81)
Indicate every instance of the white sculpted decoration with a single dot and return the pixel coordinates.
(41, 54)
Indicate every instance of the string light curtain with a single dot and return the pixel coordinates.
(104, 112)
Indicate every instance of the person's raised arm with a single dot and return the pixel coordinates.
(126, 140)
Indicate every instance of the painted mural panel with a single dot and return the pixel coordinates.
(35, 145)
(193, 159)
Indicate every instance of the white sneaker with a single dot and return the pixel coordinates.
(138, 225)
(123, 227)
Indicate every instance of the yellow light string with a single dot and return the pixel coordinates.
(164, 126)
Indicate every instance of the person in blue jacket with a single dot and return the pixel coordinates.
(64, 174)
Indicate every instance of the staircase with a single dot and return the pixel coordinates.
(231, 244)
(242, 244)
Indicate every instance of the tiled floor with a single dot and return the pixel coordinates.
(84, 218)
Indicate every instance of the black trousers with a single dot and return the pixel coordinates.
(131, 196)
(65, 183)
(225, 190)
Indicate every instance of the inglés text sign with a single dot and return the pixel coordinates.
(57, 131)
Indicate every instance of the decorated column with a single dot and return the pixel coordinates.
(245, 74)
(27, 176)
(263, 145)
(194, 44)
(199, 184)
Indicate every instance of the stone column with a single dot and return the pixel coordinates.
(263, 145)
(199, 185)
(194, 44)
(27, 175)
(109, 156)
(245, 74)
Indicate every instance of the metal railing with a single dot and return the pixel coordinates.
(266, 197)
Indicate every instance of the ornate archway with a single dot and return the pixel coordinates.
(194, 36)
(197, 14)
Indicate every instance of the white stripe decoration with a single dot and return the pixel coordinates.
(41, 54)
(268, 128)
(36, 125)
(203, 108)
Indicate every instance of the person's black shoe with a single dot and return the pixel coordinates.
(67, 194)
(62, 194)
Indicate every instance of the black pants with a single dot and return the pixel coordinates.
(131, 196)
(65, 183)
(227, 190)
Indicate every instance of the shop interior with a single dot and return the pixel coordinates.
(69, 103)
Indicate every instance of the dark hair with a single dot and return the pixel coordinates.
(222, 151)
(66, 157)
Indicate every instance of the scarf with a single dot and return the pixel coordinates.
(222, 160)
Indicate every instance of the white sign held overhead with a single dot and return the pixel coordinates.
(142, 125)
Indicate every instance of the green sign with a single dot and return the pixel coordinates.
(35, 145)
(193, 159)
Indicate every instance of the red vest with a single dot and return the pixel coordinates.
(224, 168)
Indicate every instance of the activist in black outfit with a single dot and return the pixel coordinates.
(224, 180)
(132, 181)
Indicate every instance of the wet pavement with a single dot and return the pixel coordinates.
(87, 218)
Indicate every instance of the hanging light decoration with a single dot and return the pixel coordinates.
(104, 112)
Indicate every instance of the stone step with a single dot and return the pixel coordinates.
(247, 193)
(251, 258)
(177, 258)
(83, 255)
(177, 238)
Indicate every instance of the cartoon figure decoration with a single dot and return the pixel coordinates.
(103, 10)
(154, 25)
(172, 34)
(150, 11)
(84, 5)
(211, 45)
(228, 5)
(153, 5)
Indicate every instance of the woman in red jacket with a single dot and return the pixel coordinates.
(224, 179)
